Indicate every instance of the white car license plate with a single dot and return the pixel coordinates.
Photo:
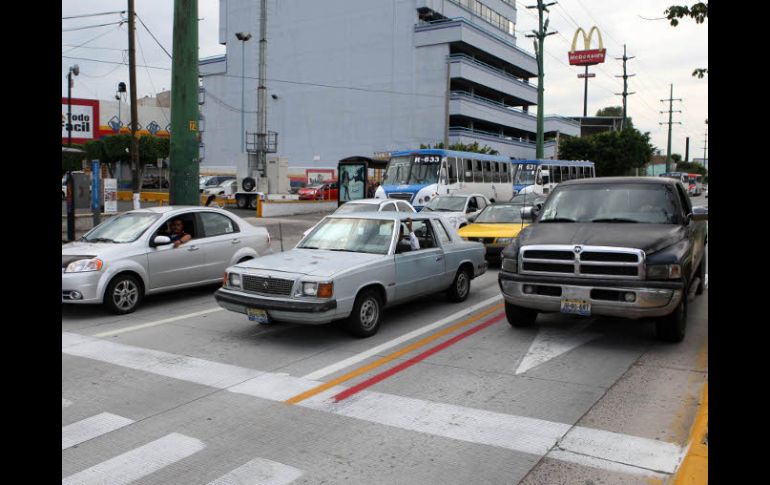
(257, 315)
(577, 307)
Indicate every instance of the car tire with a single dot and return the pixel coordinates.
(461, 286)
(671, 328)
(702, 276)
(364, 320)
(253, 202)
(518, 316)
(241, 202)
(123, 294)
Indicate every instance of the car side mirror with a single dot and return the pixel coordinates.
(160, 241)
(528, 213)
(472, 217)
(700, 214)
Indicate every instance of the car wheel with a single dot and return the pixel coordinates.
(518, 316)
(702, 276)
(671, 328)
(241, 202)
(253, 202)
(364, 320)
(461, 286)
(123, 294)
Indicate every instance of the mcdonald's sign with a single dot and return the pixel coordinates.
(588, 56)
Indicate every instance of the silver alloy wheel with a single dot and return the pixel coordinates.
(125, 295)
(462, 284)
(369, 313)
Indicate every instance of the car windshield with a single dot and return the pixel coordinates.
(349, 234)
(122, 229)
(642, 203)
(446, 204)
(500, 214)
(527, 199)
(352, 207)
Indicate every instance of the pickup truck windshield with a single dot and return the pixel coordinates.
(351, 234)
(626, 203)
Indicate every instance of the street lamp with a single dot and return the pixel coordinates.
(243, 37)
(73, 70)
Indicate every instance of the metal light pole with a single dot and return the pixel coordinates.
(540, 36)
(243, 37)
(76, 70)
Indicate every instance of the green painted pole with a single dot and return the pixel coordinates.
(184, 144)
(539, 152)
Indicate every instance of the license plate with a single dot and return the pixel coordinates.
(576, 307)
(257, 315)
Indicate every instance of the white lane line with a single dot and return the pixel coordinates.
(551, 343)
(611, 466)
(260, 471)
(331, 369)
(65, 403)
(518, 433)
(139, 462)
(157, 322)
(76, 433)
(181, 367)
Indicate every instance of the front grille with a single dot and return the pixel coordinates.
(401, 196)
(267, 286)
(585, 261)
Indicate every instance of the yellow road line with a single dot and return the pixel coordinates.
(361, 370)
(694, 467)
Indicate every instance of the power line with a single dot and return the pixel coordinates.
(92, 26)
(93, 15)
(153, 36)
(154, 90)
(92, 39)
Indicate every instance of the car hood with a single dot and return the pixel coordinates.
(648, 237)
(312, 262)
(491, 230)
(75, 250)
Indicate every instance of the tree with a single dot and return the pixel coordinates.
(613, 152)
(698, 12)
(460, 147)
(117, 148)
(691, 167)
(676, 157)
(71, 162)
(616, 111)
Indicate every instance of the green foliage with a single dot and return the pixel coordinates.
(616, 111)
(698, 12)
(71, 162)
(614, 152)
(460, 147)
(676, 157)
(691, 167)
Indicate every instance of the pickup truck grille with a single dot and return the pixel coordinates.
(267, 286)
(401, 196)
(582, 261)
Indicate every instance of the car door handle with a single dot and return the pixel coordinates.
(235, 241)
(193, 248)
(439, 258)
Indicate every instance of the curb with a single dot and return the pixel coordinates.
(694, 467)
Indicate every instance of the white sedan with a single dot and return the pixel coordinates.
(129, 256)
(459, 210)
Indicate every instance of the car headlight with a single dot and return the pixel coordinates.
(318, 290)
(510, 265)
(84, 265)
(234, 280)
(504, 240)
(664, 272)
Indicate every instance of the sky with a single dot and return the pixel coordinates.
(663, 55)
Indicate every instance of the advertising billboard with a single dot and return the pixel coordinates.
(587, 56)
(85, 120)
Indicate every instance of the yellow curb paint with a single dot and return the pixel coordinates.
(361, 370)
(694, 467)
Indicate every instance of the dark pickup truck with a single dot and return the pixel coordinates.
(630, 247)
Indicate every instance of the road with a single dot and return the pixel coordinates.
(182, 392)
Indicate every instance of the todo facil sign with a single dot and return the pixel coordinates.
(85, 120)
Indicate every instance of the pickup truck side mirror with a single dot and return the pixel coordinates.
(528, 213)
(700, 214)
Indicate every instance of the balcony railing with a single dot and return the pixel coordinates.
(489, 102)
(461, 130)
(488, 67)
(508, 41)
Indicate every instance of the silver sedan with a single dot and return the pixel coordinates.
(352, 266)
(132, 255)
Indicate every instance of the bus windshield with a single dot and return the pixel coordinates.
(418, 170)
(525, 175)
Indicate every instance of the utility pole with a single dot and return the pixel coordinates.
(687, 149)
(539, 36)
(670, 113)
(262, 90)
(625, 92)
(705, 146)
(185, 142)
(135, 182)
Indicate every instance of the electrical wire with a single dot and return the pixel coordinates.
(92, 39)
(154, 91)
(92, 26)
(153, 36)
(93, 15)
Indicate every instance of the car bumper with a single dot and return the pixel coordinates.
(87, 284)
(284, 310)
(605, 296)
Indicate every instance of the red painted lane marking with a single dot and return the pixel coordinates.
(404, 365)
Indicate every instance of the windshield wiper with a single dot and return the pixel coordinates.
(613, 219)
(100, 239)
(308, 247)
(558, 219)
(427, 209)
(340, 249)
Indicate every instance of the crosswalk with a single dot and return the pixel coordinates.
(151, 457)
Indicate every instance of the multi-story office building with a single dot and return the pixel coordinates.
(356, 77)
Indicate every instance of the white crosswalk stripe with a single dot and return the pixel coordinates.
(90, 428)
(139, 462)
(260, 471)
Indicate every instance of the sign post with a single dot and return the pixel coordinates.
(586, 57)
(96, 208)
(70, 207)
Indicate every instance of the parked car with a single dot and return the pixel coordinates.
(628, 247)
(151, 181)
(215, 180)
(457, 209)
(352, 266)
(495, 227)
(325, 191)
(129, 256)
(224, 189)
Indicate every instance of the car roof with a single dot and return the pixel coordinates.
(374, 201)
(385, 215)
(171, 209)
(621, 180)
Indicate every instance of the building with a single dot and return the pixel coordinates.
(366, 76)
(591, 125)
(94, 118)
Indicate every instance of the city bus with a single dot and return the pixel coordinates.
(695, 186)
(418, 176)
(541, 176)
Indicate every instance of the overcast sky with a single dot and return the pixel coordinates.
(664, 55)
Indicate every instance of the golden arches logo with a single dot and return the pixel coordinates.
(587, 38)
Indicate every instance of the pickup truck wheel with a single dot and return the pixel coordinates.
(364, 320)
(518, 316)
(123, 294)
(702, 276)
(461, 286)
(671, 328)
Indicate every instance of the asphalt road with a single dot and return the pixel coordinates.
(183, 392)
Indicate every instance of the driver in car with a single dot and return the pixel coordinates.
(413, 242)
(177, 234)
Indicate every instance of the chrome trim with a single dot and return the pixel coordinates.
(577, 250)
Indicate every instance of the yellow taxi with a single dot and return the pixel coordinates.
(495, 226)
